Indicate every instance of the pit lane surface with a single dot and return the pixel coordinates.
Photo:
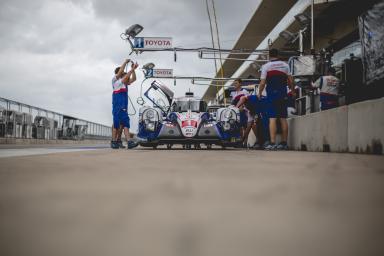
(191, 202)
(22, 150)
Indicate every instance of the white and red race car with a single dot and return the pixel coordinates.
(186, 121)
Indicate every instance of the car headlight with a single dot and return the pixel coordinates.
(228, 114)
(150, 115)
(227, 126)
(150, 118)
(150, 126)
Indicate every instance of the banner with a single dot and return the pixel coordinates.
(152, 42)
(372, 39)
(159, 73)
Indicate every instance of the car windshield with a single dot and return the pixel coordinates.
(190, 104)
(159, 99)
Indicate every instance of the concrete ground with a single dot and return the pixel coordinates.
(29, 150)
(197, 202)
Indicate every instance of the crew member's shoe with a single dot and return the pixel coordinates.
(282, 146)
(114, 145)
(120, 143)
(270, 146)
(256, 146)
(132, 144)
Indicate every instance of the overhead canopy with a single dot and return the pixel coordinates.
(266, 17)
(332, 24)
(280, 43)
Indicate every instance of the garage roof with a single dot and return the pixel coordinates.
(266, 17)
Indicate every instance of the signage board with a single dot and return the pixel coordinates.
(160, 73)
(163, 72)
(152, 42)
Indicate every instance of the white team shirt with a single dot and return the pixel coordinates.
(275, 67)
(242, 92)
(327, 84)
(118, 85)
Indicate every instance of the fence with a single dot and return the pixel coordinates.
(19, 120)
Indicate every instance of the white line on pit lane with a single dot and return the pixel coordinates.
(40, 151)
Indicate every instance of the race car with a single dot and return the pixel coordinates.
(186, 121)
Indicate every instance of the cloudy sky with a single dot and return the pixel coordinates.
(60, 54)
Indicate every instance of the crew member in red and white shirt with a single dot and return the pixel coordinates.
(329, 90)
(247, 120)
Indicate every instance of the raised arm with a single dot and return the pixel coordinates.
(291, 83)
(261, 88)
(242, 101)
(127, 79)
(318, 83)
(263, 77)
(121, 70)
(133, 78)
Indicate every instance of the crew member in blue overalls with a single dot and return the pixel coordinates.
(120, 83)
(275, 76)
(246, 122)
(256, 108)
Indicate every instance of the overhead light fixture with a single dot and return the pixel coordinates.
(288, 36)
(149, 65)
(148, 69)
(303, 19)
(133, 30)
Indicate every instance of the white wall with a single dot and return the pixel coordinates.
(354, 128)
(366, 126)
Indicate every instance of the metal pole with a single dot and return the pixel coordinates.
(301, 42)
(197, 78)
(312, 25)
(237, 59)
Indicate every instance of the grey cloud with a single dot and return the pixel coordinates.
(60, 54)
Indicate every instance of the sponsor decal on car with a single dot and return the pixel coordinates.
(188, 123)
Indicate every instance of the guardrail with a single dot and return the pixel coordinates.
(19, 120)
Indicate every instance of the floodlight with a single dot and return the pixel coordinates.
(303, 19)
(149, 65)
(287, 36)
(133, 30)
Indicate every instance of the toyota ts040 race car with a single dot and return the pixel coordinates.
(186, 121)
